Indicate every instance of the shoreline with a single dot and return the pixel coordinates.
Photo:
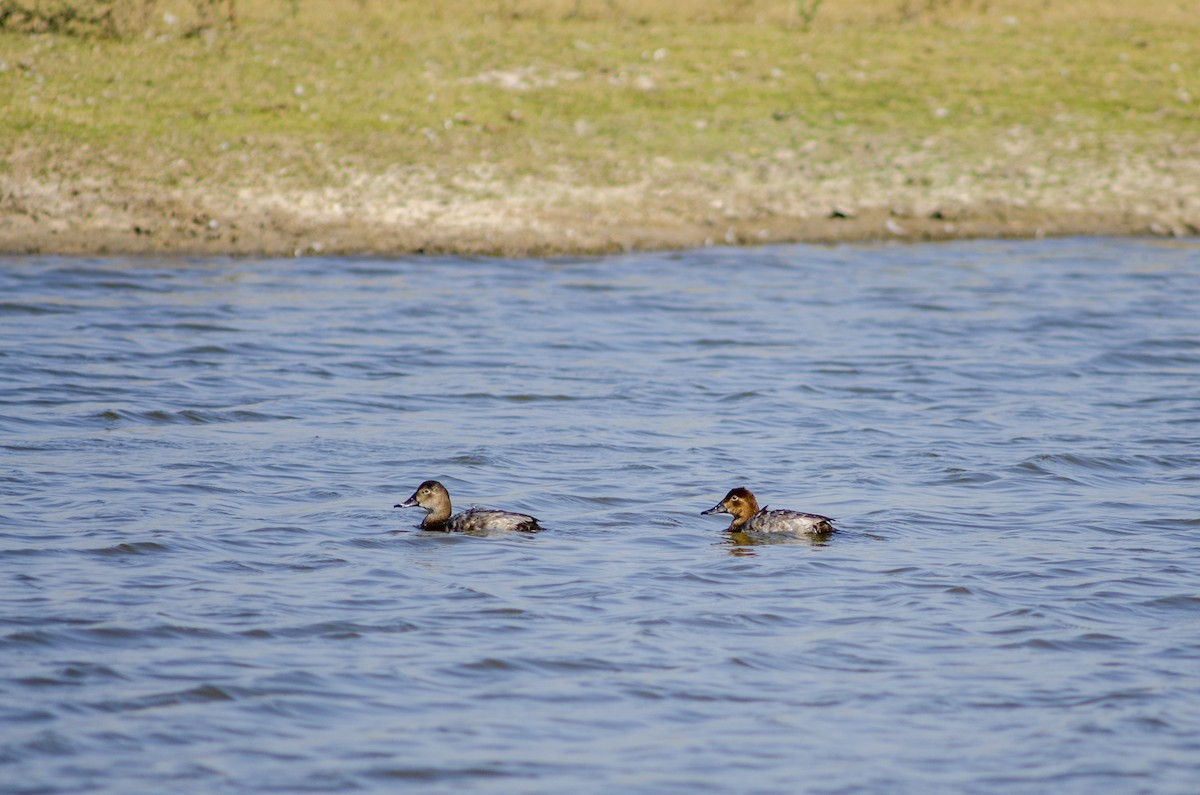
(146, 222)
(270, 238)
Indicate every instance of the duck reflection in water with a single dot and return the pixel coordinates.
(755, 525)
(745, 546)
(435, 499)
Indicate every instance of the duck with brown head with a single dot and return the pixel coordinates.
(435, 499)
(749, 519)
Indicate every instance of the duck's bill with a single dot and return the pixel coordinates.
(718, 508)
(411, 502)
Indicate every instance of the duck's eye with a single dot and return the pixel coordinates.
(424, 491)
(735, 499)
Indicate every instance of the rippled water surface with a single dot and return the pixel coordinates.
(205, 587)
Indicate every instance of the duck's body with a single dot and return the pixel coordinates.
(476, 520)
(748, 518)
(435, 499)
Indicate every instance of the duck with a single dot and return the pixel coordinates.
(748, 518)
(435, 499)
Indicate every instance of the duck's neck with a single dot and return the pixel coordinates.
(436, 516)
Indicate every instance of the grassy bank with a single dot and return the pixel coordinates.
(559, 125)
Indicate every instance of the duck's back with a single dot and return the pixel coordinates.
(784, 522)
(475, 520)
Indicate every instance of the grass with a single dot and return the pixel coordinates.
(474, 97)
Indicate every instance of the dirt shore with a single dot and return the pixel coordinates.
(397, 216)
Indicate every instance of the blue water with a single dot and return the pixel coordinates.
(205, 587)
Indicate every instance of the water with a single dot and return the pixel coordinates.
(205, 588)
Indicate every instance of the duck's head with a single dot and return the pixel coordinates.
(430, 495)
(739, 502)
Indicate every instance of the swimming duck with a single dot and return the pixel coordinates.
(748, 519)
(433, 497)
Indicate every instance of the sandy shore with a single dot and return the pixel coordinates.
(751, 202)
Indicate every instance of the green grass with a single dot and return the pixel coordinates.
(595, 98)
